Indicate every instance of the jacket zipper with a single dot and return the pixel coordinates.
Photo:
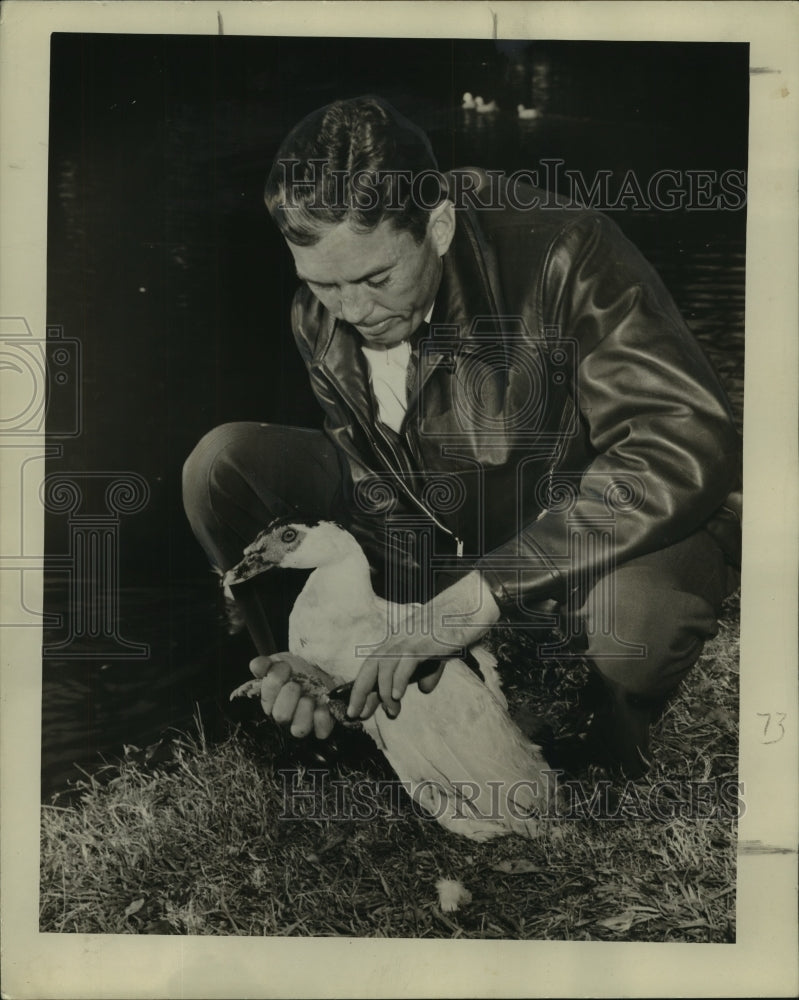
(415, 500)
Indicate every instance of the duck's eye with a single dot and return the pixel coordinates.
(288, 535)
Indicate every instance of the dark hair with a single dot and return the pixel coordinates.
(356, 160)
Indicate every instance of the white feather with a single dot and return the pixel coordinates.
(451, 894)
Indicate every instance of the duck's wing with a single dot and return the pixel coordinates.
(487, 664)
(464, 759)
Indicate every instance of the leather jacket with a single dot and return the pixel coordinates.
(564, 419)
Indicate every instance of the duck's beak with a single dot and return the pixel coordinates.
(253, 564)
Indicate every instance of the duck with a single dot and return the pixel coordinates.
(484, 108)
(527, 113)
(468, 102)
(456, 750)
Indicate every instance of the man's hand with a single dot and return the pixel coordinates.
(285, 700)
(456, 618)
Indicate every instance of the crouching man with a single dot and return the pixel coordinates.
(515, 415)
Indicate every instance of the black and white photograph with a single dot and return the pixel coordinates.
(398, 556)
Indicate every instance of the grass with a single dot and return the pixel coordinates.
(190, 839)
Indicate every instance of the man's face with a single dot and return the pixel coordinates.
(382, 282)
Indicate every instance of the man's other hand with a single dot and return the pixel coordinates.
(452, 621)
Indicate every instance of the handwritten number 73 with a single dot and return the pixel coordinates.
(773, 729)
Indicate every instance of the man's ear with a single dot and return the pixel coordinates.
(441, 226)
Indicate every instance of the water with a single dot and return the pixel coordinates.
(162, 262)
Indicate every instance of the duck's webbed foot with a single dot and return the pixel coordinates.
(250, 689)
(320, 688)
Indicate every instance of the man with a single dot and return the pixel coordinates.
(508, 379)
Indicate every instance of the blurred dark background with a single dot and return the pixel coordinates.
(163, 264)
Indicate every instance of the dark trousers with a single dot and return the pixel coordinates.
(642, 626)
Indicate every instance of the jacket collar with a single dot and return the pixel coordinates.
(469, 287)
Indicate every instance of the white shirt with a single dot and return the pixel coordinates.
(388, 374)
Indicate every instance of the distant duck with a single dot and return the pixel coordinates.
(468, 103)
(485, 109)
(527, 113)
(454, 744)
